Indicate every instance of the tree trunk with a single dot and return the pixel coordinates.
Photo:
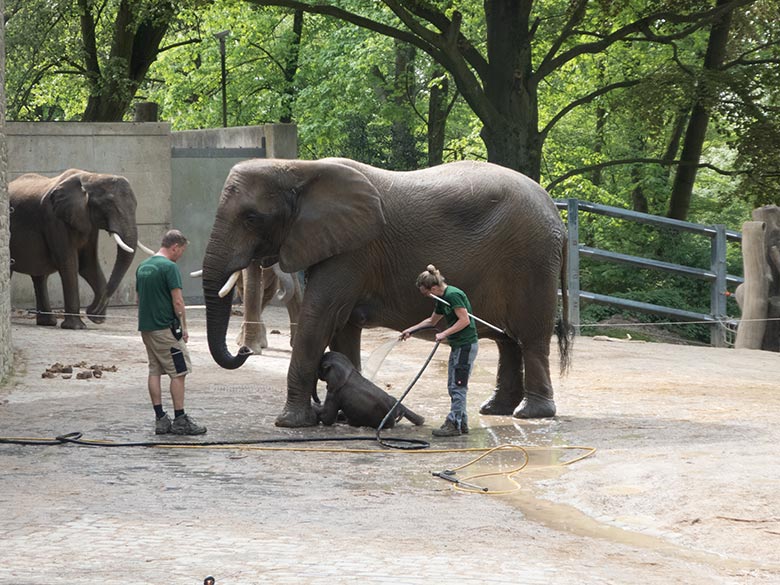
(291, 69)
(638, 198)
(684, 179)
(133, 50)
(403, 149)
(511, 116)
(599, 143)
(437, 118)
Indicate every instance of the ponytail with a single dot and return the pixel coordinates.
(430, 277)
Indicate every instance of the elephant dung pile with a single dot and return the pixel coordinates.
(87, 372)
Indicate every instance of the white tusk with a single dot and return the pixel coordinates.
(147, 250)
(197, 273)
(121, 244)
(229, 284)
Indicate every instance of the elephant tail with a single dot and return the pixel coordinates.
(563, 329)
(413, 417)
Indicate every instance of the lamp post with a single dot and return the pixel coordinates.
(221, 36)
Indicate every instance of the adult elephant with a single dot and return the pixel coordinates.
(54, 228)
(363, 235)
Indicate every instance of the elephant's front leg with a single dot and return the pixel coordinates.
(317, 325)
(44, 316)
(91, 272)
(70, 292)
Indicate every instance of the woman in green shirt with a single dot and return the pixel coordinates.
(461, 334)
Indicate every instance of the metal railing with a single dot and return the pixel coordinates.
(716, 274)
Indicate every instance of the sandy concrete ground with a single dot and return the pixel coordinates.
(683, 487)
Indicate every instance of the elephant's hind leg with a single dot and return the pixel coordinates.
(509, 383)
(538, 397)
(44, 315)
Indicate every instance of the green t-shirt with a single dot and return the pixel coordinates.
(155, 278)
(457, 299)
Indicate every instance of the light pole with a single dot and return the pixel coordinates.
(221, 36)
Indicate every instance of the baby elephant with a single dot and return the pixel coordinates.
(362, 402)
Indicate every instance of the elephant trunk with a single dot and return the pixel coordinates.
(124, 259)
(218, 316)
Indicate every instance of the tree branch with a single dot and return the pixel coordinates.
(585, 100)
(629, 161)
(179, 44)
(696, 21)
(434, 44)
(90, 47)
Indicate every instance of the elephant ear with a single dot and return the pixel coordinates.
(69, 200)
(338, 210)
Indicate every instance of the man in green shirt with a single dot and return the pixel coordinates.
(163, 326)
(461, 334)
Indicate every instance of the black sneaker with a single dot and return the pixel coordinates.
(448, 429)
(464, 427)
(184, 425)
(162, 426)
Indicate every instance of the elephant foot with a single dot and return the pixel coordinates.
(304, 417)
(96, 314)
(71, 322)
(497, 406)
(534, 406)
(47, 320)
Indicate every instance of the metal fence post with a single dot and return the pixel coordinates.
(718, 287)
(573, 272)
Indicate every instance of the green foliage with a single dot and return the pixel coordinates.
(627, 102)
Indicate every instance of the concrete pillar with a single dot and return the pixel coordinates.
(6, 350)
(146, 112)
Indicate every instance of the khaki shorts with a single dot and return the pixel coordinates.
(167, 355)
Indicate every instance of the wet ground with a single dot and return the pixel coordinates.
(683, 486)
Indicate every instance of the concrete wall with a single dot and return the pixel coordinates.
(6, 349)
(200, 164)
(139, 152)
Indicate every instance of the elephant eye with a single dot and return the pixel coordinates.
(253, 220)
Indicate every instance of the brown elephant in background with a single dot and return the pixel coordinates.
(363, 235)
(54, 228)
(257, 287)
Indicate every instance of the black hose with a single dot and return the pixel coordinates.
(75, 438)
(412, 443)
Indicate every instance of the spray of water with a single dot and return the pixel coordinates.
(374, 362)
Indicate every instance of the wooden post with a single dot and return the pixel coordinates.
(754, 293)
(770, 215)
(718, 286)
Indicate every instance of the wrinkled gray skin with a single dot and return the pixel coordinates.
(363, 403)
(363, 235)
(54, 228)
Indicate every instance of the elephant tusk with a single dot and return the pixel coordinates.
(121, 244)
(229, 284)
(197, 273)
(147, 250)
